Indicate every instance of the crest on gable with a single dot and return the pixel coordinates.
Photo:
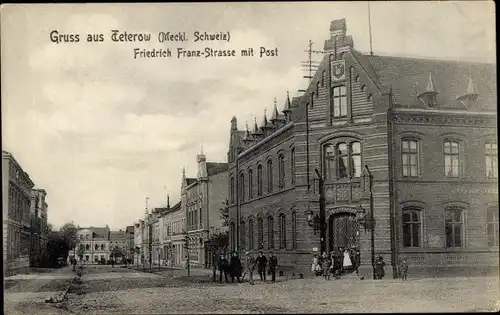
(338, 70)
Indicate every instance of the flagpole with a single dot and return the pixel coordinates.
(370, 29)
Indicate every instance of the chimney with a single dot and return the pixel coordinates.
(339, 40)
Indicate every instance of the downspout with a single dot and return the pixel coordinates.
(392, 189)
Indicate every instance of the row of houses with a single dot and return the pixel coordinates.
(25, 229)
(168, 235)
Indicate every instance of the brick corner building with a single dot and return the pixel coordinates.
(420, 133)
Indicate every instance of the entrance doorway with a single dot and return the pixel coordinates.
(342, 231)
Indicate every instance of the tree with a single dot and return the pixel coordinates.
(116, 252)
(80, 251)
(56, 248)
(68, 232)
(224, 213)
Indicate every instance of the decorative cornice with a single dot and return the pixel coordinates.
(269, 142)
(445, 118)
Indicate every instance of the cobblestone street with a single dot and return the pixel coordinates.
(127, 291)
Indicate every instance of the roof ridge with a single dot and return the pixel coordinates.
(425, 59)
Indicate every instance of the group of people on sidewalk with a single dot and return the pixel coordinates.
(234, 267)
(338, 263)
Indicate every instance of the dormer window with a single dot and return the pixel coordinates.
(429, 97)
(470, 96)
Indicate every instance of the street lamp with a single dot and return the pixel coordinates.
(313, 220)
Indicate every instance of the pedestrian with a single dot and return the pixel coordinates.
(273, 264)
(223, 265)
(340, 259)
(261, 266)
(112, 262)
(379, 268)
(334, 265)
(251, 262)
(315, 265)
(235, 267)
(357, 261)
(347, 263)
(326, 266)
(404, 269)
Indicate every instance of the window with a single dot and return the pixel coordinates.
(281, 171)
(329, 162)
(231, 190)
(96, 247)
(342, 160)
(242, 235)
(259, 180)
(355, 159)
(411, 228)
(409, 154)
(260, 233)
(492, 226)
(454, 228)
(323, 74)
(87, 247)
(250, 184)
(491, 159)
(269, 176)
(317, 88)
(102, 247)
(242, 187)
(452, 158)
(250, 235)
(294, 230)
(270, 231)
(339, 101)
(282, 231)
(292, 165)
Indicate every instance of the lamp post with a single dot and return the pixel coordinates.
(322, 230)
(372, 221)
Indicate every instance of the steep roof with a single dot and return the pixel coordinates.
(117, 235)
(175, 207)
(129, 229)
(102, 233)
(189, 181)
(410, 76)
(215, 168)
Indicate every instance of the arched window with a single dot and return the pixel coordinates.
(251, 238)
(454, 227)
(102, 247)
(242, 187)
(250, 184)
(282, 231)
(270, 176)
(87, 247)
(342, 162)
(294, 230)
(292, 164)
(339, 96)
(231, 190)
(492, 226)
(260, 233)
(281, 171)
(96, 247)
(412, 224)
(270, 232)
(259, 180)
(242, 235)
(491, 159)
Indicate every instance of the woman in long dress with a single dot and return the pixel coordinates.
(315, 265)
(347, 263)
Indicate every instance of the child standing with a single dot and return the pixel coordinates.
(404, 269)
(326, 266)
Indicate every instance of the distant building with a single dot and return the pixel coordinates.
(94, 244)
(16, 195)
(118, 243)
(138, 250)
(39, 237)
(170, 243)
(129, 232)
(202, 199)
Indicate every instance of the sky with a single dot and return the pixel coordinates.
(100, 131)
